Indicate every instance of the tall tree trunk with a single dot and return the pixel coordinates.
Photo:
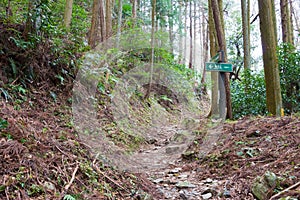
(213, 51)
(171, 23)
(102, 21)
(134, 10)
(97, 30)
(180, 33)
(219, 25)
(295, 17)
(191, 37)
(68, 13)
(108, 18)
(292, 23)
(195, 34)
(205, 57)
(94, 34)
(274, 17)
(268, 39)
(246, 33)
(8, 10)
(185, 32)
(287, 32)
(153, 13)
(120, 10)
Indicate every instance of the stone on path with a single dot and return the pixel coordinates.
(206, 196)
(185, 184)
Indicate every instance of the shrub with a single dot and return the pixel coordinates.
(249, 95)
(289, 66)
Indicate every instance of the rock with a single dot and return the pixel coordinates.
(262, 187)
(180, 137)
(185, 184)
(260, 190)
(159, 180)
(183, 195)
(209, 190)
(226, 193)
(175, 170)
(271, 179)
(206, 196)
(189, 155)
(172, 149)
(208, 180)
(151, 140)
(183, 176)
(49, 186)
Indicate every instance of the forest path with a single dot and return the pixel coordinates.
(178, 179)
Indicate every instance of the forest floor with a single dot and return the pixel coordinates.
(42, 157)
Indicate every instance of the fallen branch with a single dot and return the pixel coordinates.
(70, 183)
(284, 191)
(72, 179)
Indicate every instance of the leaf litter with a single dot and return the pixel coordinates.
(43, 158)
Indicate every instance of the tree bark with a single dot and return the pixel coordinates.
(33, 17)
(185, 32)
(191, 37)
(195, 33)
(120, 10)
(8, 10)
(68, 13)
(108, 18)
(97, 30)
(213, 51)
(268, 39)
(93, 33)
(273, 13)
(102, 21)
(246, 33)
(219, 25)
(171, 26)
(180, 33)
(134, 10)
(153, 13)
(287, 32)
(295, 17)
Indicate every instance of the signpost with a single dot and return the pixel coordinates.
(220, 67)
(217, 65)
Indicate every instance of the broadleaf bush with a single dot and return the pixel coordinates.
(289, 67)
(249, 95)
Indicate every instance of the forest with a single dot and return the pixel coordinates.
(149, 99)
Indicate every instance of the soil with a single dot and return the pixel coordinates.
(41, 152)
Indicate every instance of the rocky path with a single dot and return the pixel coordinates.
(180, 181)
(248, 159)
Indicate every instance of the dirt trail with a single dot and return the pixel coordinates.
(175, 179)
(232, 157)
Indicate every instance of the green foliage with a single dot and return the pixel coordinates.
(4, 93)
(61, 47)
(69, 197)
(249, 95)
(126, 10)
(35, 190)
(289, 66)
(3, 124)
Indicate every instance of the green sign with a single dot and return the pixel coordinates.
(220, 67)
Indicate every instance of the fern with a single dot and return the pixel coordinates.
(69, 197)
